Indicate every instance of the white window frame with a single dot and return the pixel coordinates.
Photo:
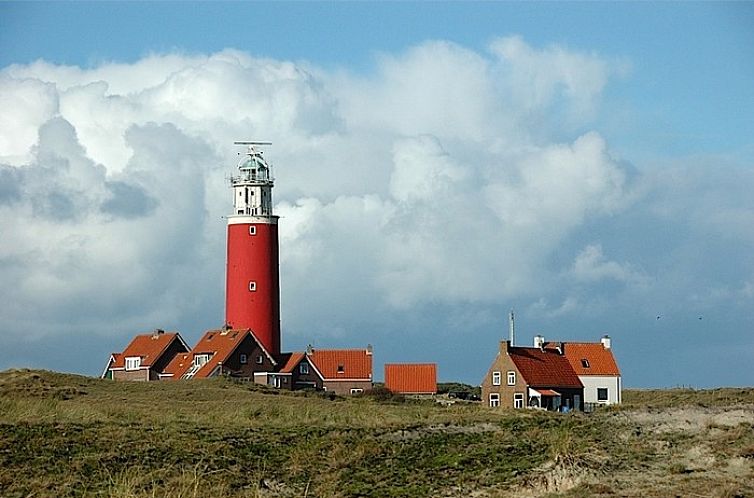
(260, 359)
(518, 400)
(607, 395)
(252, 285)
(356, 390)
(252, 230)
(133, 363)
(496, 378)
(201, 359)
(243, 358)
(494, 400)
(511, 378)
(303, 368)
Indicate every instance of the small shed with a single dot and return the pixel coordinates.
(411, 378)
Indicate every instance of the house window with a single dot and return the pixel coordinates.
(341, 368)
(584, 363)
(252, 230)
(303, 368)
(511, 378)
(243, 359)
(252, 285)
(276, 381)
(602, 394)
(133, 362)
(496, 378)
(260, 359)
(494, 400)
(518, 400)
(356, 390)
(201, 359)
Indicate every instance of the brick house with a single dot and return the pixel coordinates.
(238, 353)
(233, 352)
(297, 371)
(419, 379)
(535, 377)
(146, 356)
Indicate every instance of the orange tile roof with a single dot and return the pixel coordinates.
(178, 363)
(544, 368)
(149, 347)
(335, 364)
(600, 360)
(219, 344)
(291, 360)
(411, 378)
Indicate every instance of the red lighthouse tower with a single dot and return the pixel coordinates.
(252, 293)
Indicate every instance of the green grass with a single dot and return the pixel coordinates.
(66, 435)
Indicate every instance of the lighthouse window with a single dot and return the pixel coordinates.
(252, 230)
(252, 286)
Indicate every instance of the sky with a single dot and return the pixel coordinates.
(588, 165)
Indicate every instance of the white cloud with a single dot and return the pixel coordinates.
(538, 78)
(426, 183)
(591, 266)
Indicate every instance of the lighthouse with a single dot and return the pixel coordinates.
(252, 284)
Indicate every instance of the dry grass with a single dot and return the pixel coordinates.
(66, 435)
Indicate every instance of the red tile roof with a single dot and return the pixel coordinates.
(544, 368)
(149, 347)
(336, 364)
(219, 344)
(600, 360)
(411, 378)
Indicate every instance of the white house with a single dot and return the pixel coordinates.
(595, 366)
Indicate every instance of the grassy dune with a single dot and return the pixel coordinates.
(66, 435)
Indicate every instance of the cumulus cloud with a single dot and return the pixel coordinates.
(592, 266)
(433, 182)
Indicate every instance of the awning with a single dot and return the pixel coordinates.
(544, 392)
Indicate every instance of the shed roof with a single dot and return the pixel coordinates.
(411, 378)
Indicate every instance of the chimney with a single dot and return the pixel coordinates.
(369, 349)
(561, 348)
(606, 342)
(539, 341)
(512, 326)
(505, 346)
(309, 350)
(157, 333)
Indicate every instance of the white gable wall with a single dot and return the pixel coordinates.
(592, 382)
